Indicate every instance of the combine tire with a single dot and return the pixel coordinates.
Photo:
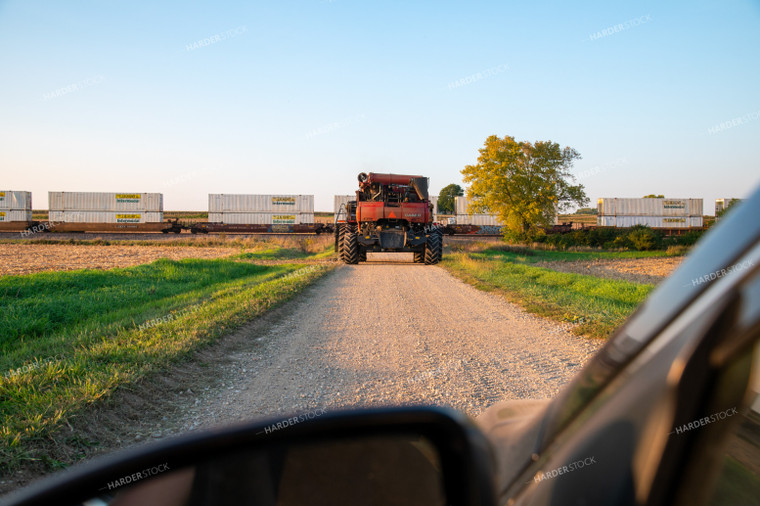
(349, 252)
(339, 239)
(362, 255)
(419, 257)
(434, 248)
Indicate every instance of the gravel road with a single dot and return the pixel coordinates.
(386, 333)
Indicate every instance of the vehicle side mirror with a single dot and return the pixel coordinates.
(392, 456)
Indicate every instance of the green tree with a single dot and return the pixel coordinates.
(524, 184)
(586, 210)
(446, 198)
(653, 196)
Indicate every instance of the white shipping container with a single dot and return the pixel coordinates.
(650, 221)
(105, 216)
(17, 200)
(261, 218)
(339, 200)
(460, 205)
(225, 202)
(649, 207)
(477, 219)
(15, 215)
(98, 201)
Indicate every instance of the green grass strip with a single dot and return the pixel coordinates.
(69, 339)
(597, 305)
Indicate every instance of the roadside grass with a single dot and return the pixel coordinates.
(69, 339)
(596, 305)
(522, 254)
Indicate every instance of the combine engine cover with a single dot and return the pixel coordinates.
(392, 212)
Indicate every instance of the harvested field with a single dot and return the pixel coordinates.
(22, 258)
(636, 270)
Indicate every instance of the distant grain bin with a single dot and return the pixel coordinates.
(15, 207)
(238, 209)
(650, 212)
(105, 207)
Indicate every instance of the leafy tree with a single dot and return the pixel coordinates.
(446, 198)
(524, 184)
(586, 210)
(653, 196)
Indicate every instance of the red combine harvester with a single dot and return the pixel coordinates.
(391, 212)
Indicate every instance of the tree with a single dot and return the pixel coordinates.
(446, 198)
(586, 210)
(524, 184)
(653, 196)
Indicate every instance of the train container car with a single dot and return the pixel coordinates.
(649, 207)
(481, 220)
(278, 204)
(15, 200)
(239, 218)
(15, 210)
(275, 228)
(685, 222)
(106, 216)
(105, 201)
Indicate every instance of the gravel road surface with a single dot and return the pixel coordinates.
(386, 333)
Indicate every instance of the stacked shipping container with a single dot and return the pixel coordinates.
(260, 209)
(464, 218)
(98, 207)
(651, 212)
(15, 206)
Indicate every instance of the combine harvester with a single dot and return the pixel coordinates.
(391, 212)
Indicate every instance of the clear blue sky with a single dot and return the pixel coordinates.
(298, 97)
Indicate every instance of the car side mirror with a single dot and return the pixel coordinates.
(390, 456)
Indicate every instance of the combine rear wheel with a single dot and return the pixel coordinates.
(362, 255)
(349, 251)
(419, 257)
(434, 248)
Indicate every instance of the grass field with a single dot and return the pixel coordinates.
(69, 339)
(597, 305)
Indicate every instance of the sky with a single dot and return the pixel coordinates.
(298, 97)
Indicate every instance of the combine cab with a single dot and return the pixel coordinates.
(391, 213)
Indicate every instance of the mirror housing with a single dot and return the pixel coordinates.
(377, 449)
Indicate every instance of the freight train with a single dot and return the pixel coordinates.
(294, 214)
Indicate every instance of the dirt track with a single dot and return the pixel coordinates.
(376, 334)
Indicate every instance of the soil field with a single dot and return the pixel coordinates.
(28, 258)
(636, 270)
